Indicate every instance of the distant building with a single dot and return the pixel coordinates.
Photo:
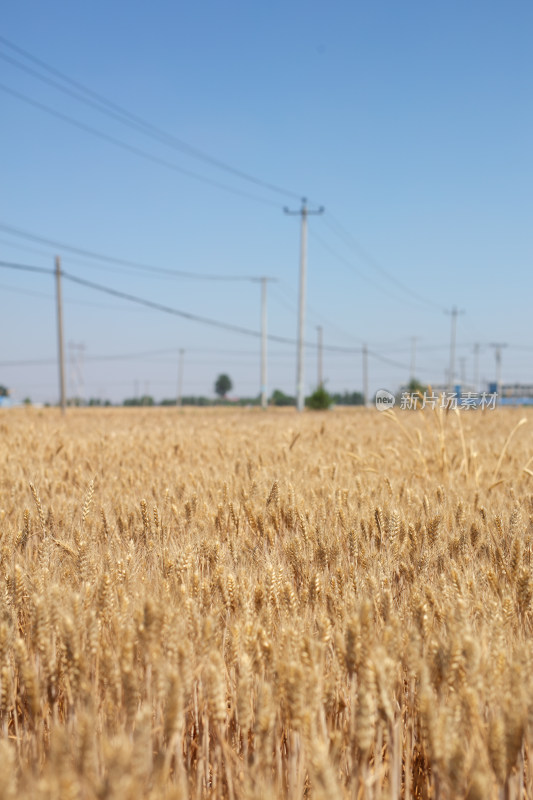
(514, 394)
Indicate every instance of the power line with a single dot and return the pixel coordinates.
(45, 361)
(26, 292)
(162, 162)
(283, 297)
(26, 268)
(161, 307)
(415, 300)
(67, 301)
(391, 362)
(366, 257)
(79, 261)
(33, 362)
(147, 303)
(168, 310)
(153, 356)
(122, 261)
(25, 248)
(352, 267)
(112, 109)
(176, 312)
(195, 317)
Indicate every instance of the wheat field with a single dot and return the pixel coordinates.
(236, 604)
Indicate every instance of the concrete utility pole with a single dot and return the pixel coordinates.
(264, 391)
(454, 312)
(319, 376)
(498, 346)
(365, 374)
(77, 385)
(60, 347)
(476, 367)
(180, 376)
(303, 212)
(413, 356)
(264, 282)
(462, 362)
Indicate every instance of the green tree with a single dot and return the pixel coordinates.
(4, 392)
(223, 385)
(414, 386)
(348, 399)
(145, 400)
(320, 400)
(279, 398)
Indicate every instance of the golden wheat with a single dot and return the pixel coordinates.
(266, 605)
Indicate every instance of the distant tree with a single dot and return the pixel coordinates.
(414, 386)
(348, 399)
(320, 400)
(192, 400)
(27, 401)
(279, 398)
(4, 391)
(249, 401)
(223, 385)
(145, 400)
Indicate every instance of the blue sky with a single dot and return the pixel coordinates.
(410, 122)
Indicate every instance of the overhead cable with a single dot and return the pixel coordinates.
(88, 96)
(162, 162)
(123, 261)
(372, 262)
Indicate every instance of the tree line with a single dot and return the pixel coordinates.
(319, 399)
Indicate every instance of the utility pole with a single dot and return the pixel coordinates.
(264, 391)
(365, 375)
(454, 312)
(180, 376)
(462, 362)
(77, 386)
(498, 346)
(413, 356)
(304, 213)
(319, 376)
(60, 348)
(264, 282)
(476, 367)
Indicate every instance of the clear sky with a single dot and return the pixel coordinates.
(411, 123)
